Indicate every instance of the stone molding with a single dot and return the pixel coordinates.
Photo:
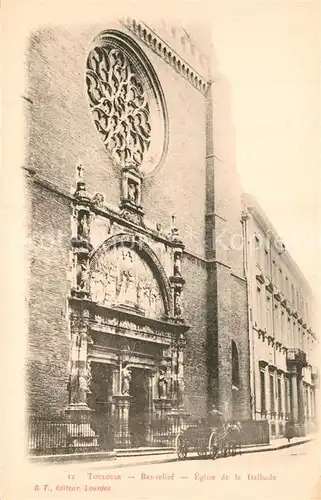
(148, 36)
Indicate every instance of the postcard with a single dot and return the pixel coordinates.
(161, 250)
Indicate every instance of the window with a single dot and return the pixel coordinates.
(295, 335)
(289, 333)
(258, 251)
(268, 314)
(258, 306)
(267, 263)
(280, 280)
(282, 326)
(262, 387)
(274, 277)
(286, 292)
(307, 312)
(276, 321)
(235, 366)
(133, 96)
(272, 402)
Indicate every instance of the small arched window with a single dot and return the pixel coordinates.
(235, 366)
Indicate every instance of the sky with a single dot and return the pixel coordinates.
(270, 53)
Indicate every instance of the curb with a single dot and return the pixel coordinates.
(113, 456)
(74, 457)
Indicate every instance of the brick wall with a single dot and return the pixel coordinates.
(195, 371)
(49, 345)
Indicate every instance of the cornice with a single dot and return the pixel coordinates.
(150, 38)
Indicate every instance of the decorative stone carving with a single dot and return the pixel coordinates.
(162, 383)
(119, 105)
(132, 192)
(194, 71)
(83, 275)
(98, 200)
(177, 262)
(81, 192)
(84, 381)
(177, 302)
(126, 376)
(83, 225)
(121, 277)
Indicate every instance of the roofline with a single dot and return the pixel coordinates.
(252, 206)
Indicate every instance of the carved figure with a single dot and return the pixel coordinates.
(83, 227)
(80, 172)
(121, 276)
(128, 288)
(83, 277)
(177, 264)
(162, 383)
(177, 302)
(83, 386)
(132, 192)
(98, 200)
(126, 378)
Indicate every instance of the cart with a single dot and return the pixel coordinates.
(207, 441)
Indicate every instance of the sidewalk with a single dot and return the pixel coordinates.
(113, 461)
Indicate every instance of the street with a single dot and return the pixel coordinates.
(289, 473)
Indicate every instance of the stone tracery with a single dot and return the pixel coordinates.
(119, 105)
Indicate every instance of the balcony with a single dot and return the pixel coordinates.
(296, 357)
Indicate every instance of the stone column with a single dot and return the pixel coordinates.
(282, 395)
(80, 372)
(122, 435)
(294, 397)
(300, 400)
(149, 430)
(180, 375)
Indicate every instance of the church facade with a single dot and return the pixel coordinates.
(138, 306)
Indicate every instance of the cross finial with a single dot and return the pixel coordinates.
(173, 220)
(80, 171)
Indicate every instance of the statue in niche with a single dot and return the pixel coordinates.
(126, 376)
(162, 383)
(83, 227)
(132, 192)
(84, 381)
(83, 275)
(177, 264)
(177, 302)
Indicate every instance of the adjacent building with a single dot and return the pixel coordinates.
(282, 335)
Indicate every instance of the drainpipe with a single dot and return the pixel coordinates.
(245, 219)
